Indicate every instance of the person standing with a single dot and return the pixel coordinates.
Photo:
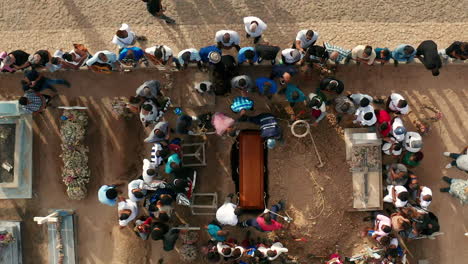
(336, 54)
(124, 37)
(156, 9)
(396, 103)
(266, 86)
(459, 160)
(104, 61)
(127, 211)
(34, 102)
(188, 56)
(266, 222)
(267, 52)
(37, 82)
(269, 127)
(458, 188)
(275, 251)
(17, 60)
(254, 27)
(149, 90)
(228, 213)
(159, 54)
(205, 53)
(304, 39)
(428, 54)
(107, 195)
(457, 50)
(364, 54)
(227, 39)
(160, 132)
(136, 191)
(132, 56)
(284, 73)
(290, 56)
(403, 53)
(247, 54)
(397, 195)
(319, 109)
(242, 82)
(365, 116)
(382, 55)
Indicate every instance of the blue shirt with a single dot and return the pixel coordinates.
(399, 53)
(241, 103)
(241, 56)
(173, 158)
(137, 52)
(204, 52)
(379, 57)
(213, 231)
(260, 83)
(290, 89)
(102, 195)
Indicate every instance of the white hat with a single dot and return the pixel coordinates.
(413, 142)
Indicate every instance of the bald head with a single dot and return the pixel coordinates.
(286, 77)
(253, 26)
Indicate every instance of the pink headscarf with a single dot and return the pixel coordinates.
(3, 55)
(221, 122)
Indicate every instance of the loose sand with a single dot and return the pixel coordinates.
(116, 149)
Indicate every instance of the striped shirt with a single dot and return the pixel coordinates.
(35, 102)
(155, 159)
(342, 53)
(241, 103)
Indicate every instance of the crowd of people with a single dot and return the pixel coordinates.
(164, 180)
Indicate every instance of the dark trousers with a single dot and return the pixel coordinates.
(454, 156)
(256, 39)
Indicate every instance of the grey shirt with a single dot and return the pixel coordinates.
(163, 126)
(248, 80)
(154, 87)
(342, 100)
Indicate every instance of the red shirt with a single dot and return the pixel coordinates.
(384, 117)
(268, 227)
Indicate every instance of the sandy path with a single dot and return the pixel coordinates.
(56, 24)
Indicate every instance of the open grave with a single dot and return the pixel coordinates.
(15, 152)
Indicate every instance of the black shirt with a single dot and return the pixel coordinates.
(456, 46)
(33, 75)
(153, 6)
(279, 70)
(267, 52)
(428, 50)
(184, 122)
(21, 57)
(324, 83)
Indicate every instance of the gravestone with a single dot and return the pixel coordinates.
(12, 253)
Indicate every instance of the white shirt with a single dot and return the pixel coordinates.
(124, 42)
(111, 58)
(260, 27)
(156, 161)
(279, 249)
(220, 246)
(194, 55)
(398, 189)
(152, 115)
(462, 161)
(264, 250)
(358, 97)
(225, 214)
(135, 184)
(234, 40)
(394, 99)
(425, 191)
(387, 145)
(146, 166)
(361, 111)
(358, 52)
(130, 205)
(242, 250)
(305, 43)
(290, 59)
(397, 122)
(322, 108)
(166, 51)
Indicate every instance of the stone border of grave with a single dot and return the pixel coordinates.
(75, 172)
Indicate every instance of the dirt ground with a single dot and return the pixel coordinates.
(115, 145)
(321, 217)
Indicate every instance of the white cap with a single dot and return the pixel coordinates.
(398, 129)
(124, 27)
